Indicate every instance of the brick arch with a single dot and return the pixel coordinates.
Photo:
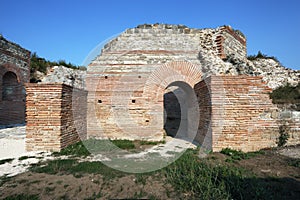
(170, 72)
(8, 67)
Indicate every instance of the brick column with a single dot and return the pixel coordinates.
(55, 115)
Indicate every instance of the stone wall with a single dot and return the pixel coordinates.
(55, 115)
(14, 72)
(289, 120)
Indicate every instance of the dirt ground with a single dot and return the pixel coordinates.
(274, 163)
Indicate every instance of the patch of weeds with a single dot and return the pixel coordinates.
(95, 196)
(49, 189)
(71, 166)
(239, 155)
(8, 160)
(294, 162)
(54, 166)
(152, 142)
(33, 182)
(123, 144)
(59, 182)
(4, 179)
(25, 157)
(172, 152)
(96, 167)
(66, 185)
(22, 197)
(283, 135)
(96, 182)
(196, 178)
(22, 181)
(138, 195)
(78, 150)
(141, 179)
(63, 197)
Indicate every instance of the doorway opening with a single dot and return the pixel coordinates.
(181, 111)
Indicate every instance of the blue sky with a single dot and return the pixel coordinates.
(70, 29)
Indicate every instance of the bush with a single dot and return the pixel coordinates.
(286, 94)
(41, 64)
(260, 55)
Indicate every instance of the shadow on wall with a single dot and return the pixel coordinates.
(181, 113)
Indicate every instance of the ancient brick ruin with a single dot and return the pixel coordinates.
(143, 86)
(149, 82)
(14, 72)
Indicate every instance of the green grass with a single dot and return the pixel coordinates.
(124, 144)
(294, 162)
(85, 148)
(8, 160)
(200, 180)
(78, 149)
(239, 155)
(71, 166)
(195, 178)
(152, 142)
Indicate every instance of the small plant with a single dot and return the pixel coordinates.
(286, 94)
(78, 149)
(25, 157)
(123, 144)
(8, 160)
(152, 142)
(260, 55)
(294, 163)
(283, 135)
(238, 155)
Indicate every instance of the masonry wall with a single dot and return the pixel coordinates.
(55, 115)
(14, 72)
(242, 114)
(289, 120)
(233, 43)
(118, 79)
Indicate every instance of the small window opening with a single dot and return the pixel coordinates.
(99, 101)
(105, 77)
(139, 76)
(133, 100)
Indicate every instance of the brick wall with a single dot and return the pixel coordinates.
(55, 115)
(242, 114)
(14, 72)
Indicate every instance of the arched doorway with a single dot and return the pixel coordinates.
(12, 100)
(181, 111)
(11, 89)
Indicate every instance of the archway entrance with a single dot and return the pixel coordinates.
(12, 100)
(11, 89)
(181, 113)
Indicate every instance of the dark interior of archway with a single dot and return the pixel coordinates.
(172, 114)
(10, 87)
